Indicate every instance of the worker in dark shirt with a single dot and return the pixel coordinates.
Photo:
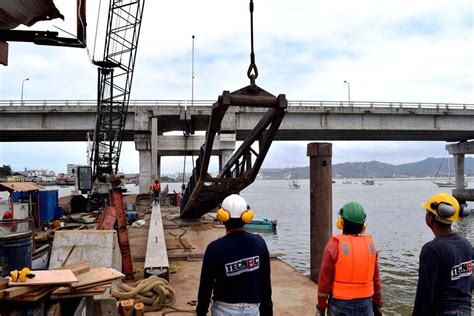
(444, 277)
(236, 267)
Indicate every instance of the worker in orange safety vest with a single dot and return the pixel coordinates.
(156, 189)
(349, 279)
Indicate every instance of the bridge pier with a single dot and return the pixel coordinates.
(459, 150)
(143, 145)
(224, 157)
(155, 157)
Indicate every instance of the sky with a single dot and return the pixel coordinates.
(399, 51)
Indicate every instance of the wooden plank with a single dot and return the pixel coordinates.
(97, 275)
(17, 291)
(67, 290)
(86, 292)
(32, 296)
(47, 277)
(78, 268)
(3, 283)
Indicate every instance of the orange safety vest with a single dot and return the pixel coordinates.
(156, 186)
(355, 267)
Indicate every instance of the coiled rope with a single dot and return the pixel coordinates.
(155, 292)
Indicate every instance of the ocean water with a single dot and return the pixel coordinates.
(395, 219)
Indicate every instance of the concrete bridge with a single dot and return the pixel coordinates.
(149, 121)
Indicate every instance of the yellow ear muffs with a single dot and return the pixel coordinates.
(363, 229)
(223, 215)
(21, 276)
(247, 216)
(14, 275)
(340, 223)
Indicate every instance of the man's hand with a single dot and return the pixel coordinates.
(320, 312)
(377, 310)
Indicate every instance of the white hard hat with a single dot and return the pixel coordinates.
(235, 205)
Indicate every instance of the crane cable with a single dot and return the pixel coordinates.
(252, 65)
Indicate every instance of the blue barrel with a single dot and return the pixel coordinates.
(15, 252)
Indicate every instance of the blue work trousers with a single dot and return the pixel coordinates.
(355, 307)
(456, 312)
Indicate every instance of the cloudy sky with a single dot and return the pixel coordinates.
(387, 50)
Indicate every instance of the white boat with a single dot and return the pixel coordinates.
(366, 181)
(293, 184)
(449, 183)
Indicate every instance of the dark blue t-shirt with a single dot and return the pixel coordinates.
(444, 280)
(235, 269)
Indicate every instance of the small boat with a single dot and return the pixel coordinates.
(293, 184)
(449, 183)
(368, 182)
(264, 225)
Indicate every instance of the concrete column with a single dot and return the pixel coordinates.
(142, 144)
(154, 147)
(158, 165)
(224, 157)
(459, 170)
(320, 186)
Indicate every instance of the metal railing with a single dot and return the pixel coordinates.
(301, 103)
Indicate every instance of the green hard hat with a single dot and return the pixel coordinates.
(353, 212)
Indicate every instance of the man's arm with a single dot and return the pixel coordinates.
(427, 273)
(377, 297)
(206, 283)
(326, 273)
(266, 305)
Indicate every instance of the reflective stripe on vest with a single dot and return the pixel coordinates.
(355, 267)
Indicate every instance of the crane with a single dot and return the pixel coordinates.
(115, 74)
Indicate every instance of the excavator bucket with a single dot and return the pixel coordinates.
(204, 192)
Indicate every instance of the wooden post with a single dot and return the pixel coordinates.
(320, 186)
(127, 307)
(138, 307)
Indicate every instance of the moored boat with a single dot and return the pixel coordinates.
(264, 225)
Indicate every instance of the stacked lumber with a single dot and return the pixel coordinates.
(36, 288)
(91, 282)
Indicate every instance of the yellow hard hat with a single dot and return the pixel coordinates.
(444, 206)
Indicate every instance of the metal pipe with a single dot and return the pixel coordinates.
(320, 186)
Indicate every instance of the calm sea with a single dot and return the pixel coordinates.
(395, 219)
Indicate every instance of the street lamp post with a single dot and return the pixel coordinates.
(22, 85)
(348, 91)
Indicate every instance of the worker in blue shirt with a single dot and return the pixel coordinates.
(445, 272)
(236, 267)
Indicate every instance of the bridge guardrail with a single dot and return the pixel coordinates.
(297, 103)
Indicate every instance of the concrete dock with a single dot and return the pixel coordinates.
(186, 242)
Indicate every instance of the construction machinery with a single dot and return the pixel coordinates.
(115, 74)
(204, 192)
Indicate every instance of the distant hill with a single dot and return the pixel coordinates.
(428, 167)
